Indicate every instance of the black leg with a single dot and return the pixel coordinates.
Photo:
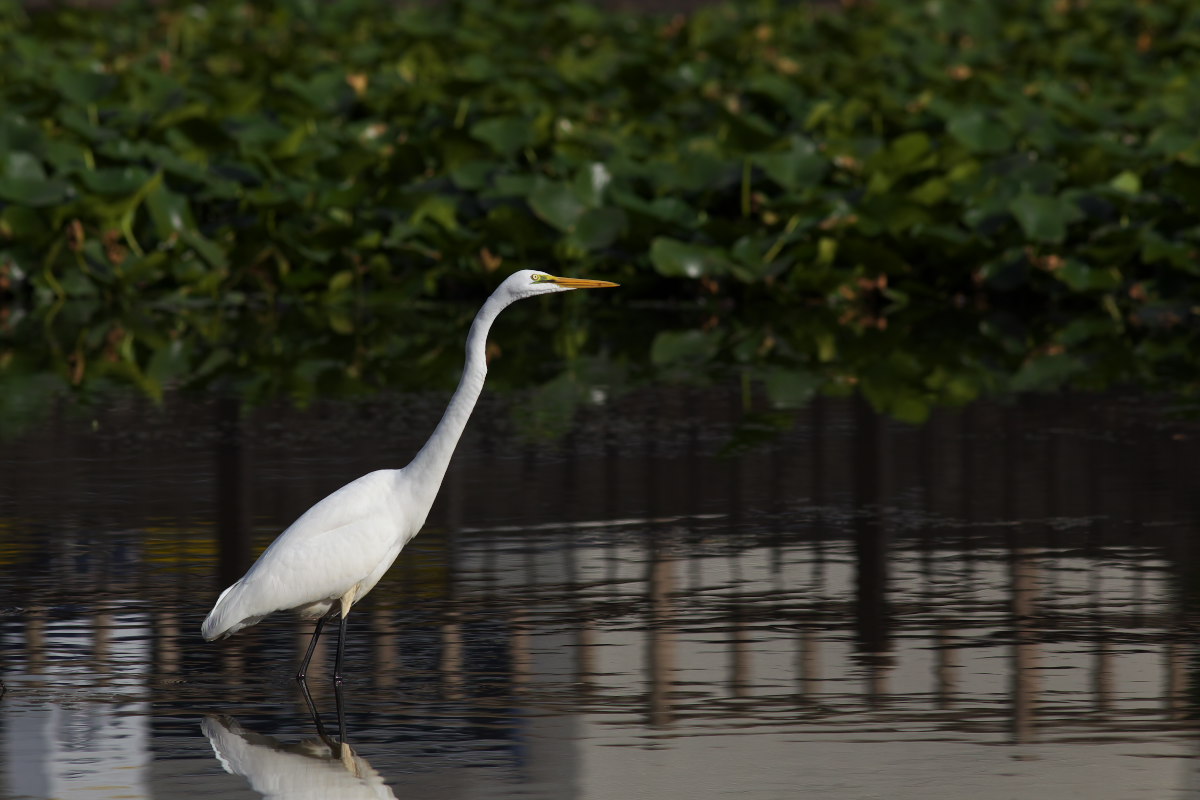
(337, 666)
(341, 711)
(312, 645)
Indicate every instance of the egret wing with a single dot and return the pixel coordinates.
(345, 541)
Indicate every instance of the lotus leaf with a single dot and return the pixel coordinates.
(926, 201)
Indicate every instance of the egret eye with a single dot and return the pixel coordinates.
(538, 278)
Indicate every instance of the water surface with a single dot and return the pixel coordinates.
(652, 600)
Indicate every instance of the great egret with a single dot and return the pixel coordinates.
(330, 557)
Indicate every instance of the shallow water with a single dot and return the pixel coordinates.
(999, 603)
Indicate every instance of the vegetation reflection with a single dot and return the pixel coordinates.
(924, 203)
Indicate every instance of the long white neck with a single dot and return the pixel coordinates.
(428, 467)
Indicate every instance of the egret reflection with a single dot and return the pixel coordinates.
(320, 767)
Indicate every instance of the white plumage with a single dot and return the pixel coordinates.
(346, 541)
(302, 770)
(336, 552)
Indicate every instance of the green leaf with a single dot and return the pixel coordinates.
(683, 347)
(170, 361)
(979, 131)
(909, 407)
(115, 180)
(591, 184)
(472, 175)
(791, 388)
(1083, 278)
(1046, 373)
(18, 133)
(440, 208)
(678, 259)
(509, 185)
(169, 211)
(145, 270)
(22, 166)
(897, 398)
(907, 150)
(1127, 183)
(1044, 218)
(695, 172)
(207, 249)
(661, 209)
(931, 192)
(505, 135)
(82, 88)
(34, 192)
(340, 322)
(749, 254)
(557, 204)
(801, 166)
(598, 228)
(341, 281)
(21, 222)
(1179, 254)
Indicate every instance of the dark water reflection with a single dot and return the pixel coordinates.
(1001, 602)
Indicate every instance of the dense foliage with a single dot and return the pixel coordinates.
(925, 200)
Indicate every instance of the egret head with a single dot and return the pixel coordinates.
(528, 282)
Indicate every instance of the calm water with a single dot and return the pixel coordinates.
(1000, 603)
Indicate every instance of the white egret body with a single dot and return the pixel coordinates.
(336, 552)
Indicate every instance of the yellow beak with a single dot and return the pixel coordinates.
(581, 283)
